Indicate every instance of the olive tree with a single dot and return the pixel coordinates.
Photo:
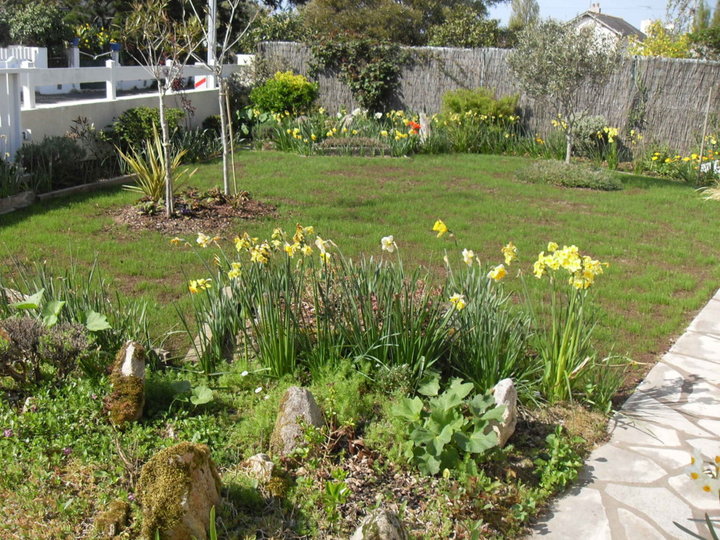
(561, 66)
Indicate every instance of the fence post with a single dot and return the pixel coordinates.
(110, 87)
(10, 128)
(28, 88)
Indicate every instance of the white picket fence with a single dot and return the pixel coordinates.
(19, 80)
(37, 55)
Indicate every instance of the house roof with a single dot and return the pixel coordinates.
(615, 24)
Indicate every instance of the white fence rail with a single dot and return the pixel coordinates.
(24, 119)
(37, 55)
(111, 74)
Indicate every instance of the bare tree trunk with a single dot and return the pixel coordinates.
(224, 119)
(169, 203)
(568, 145)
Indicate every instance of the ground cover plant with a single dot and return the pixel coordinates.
(647, 294)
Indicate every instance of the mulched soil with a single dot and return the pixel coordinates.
(209, 212)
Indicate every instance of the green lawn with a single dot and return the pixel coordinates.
(658, 236)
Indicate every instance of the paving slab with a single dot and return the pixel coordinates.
(635, 486)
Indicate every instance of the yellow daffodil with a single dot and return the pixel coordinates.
(552, 246)
(509, 251)
(234, 272)
(440, 228)
(176, 241)
(325, 256)
(291, 249)
(468, 256)
(197, 285)
(497, 273)
(458, 301)
(306, 250)
(388, 244)
(539, 266)
(242, 243)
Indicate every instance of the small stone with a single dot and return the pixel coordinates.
(125, 403)
(505, 394)
(380, 525)
(177, 489)
(260, 467)
(296, 406)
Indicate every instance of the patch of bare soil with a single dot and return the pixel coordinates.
(206, 211)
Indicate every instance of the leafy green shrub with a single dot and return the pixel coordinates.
(11, 181)
(212, 123)
(271, 26)
(284, 92)
(370, 67)
(463, 28)
(135, 126)
(450, 427)
(19, 360)
(197, 144)
(481, 101)
(569, 175)
(71, 296)
(560, 464)
(54, 163)
(39, 24)
(26, 345)
(588, 136)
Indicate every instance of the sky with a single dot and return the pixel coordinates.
(633, 11)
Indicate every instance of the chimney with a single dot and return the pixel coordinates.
(595, 8)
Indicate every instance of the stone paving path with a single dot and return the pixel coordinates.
(634, 487)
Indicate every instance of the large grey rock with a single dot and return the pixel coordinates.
(505, 394)
(297, 405)
(177, 489)
(380, 525)
(260, 467)
(125, 403)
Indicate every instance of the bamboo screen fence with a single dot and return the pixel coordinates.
(664, 98)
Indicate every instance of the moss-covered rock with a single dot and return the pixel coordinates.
(176, 490)
(111, 522)
(125, 403)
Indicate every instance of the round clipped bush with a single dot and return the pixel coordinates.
(480, 101)
(284, 92)
(571, 175)
(135, 126)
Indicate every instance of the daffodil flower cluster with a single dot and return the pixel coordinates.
(582, 269)
(610, 132)
(280, 242)
(458, 301)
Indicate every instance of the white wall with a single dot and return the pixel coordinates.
(56, 119)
